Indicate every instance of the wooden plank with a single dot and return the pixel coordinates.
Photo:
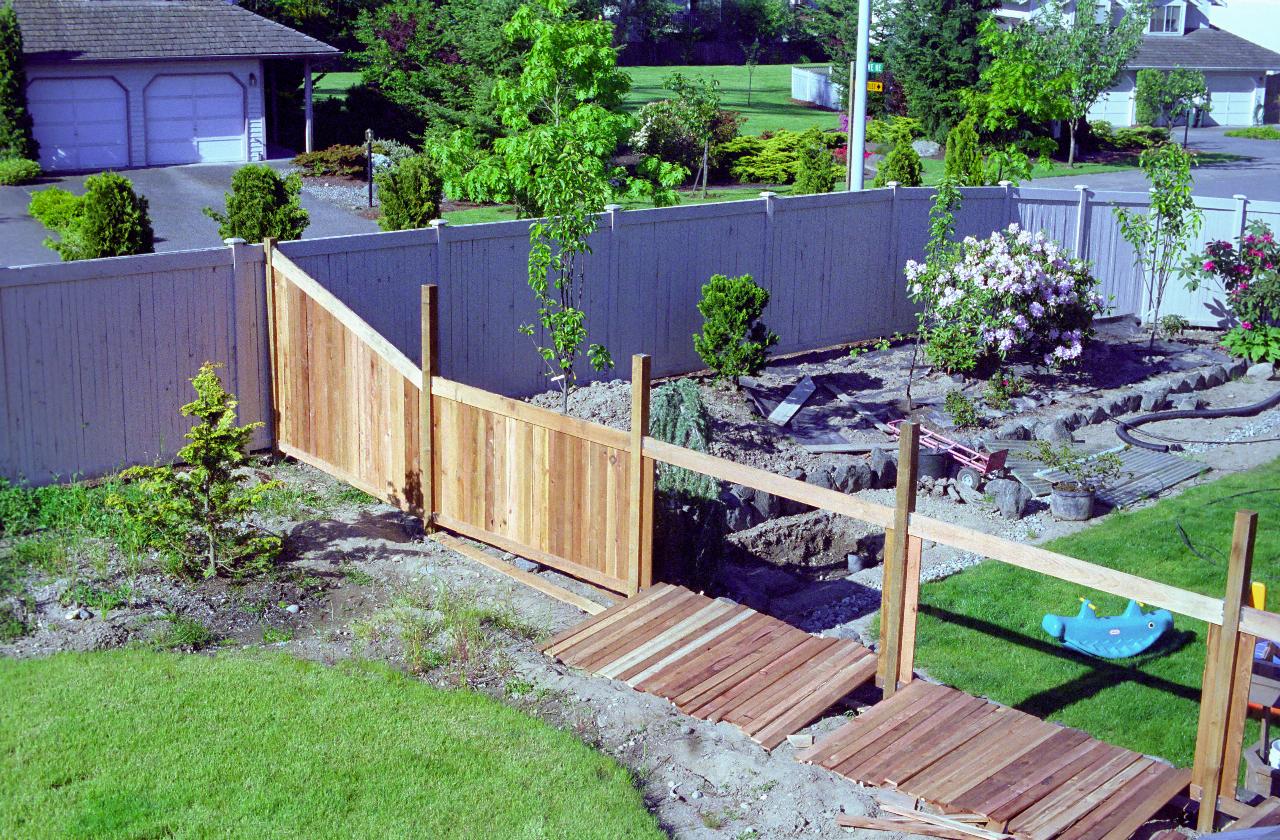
(822, 695)
(675, 634)
(943, 822)
(764, 702)
(947, 779)
(273, 339)
(972, 727)
(893, 602)
(1021, 770)
(779, 668)
(547, 419)
(1237, 714)
(426, 427)
(713, 657)
(1056, 771)
(787, 409)
(618, 612)
(1125, 814)
(697, 698)
(637, 563)
(911, 699)
(872, 768)
(910, 610)
(1265, 814)
(902, 826)
(658, 618)
(527, 578)
(1072, 812)
(653, 665)
(1088, 780)
(884, 734)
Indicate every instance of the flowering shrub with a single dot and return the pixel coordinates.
(1015, 292)
(1249, 274)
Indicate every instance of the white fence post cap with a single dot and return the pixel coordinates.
(235, 240)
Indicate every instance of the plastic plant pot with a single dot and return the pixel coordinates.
(1071, 503)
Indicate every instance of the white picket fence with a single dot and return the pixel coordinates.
(95, 356)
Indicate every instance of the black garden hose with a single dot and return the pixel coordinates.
(1123, 426)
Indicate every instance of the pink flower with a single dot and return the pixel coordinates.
(1248, 325)
(1208, 265)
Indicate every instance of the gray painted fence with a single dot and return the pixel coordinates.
(95, 356)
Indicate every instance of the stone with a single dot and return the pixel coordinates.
(1262, 371)
(697, 794)
(1115, 406)
(1095, 415)
(767, 505)
(1215, 376)
(1024, 403)
(926, 148)
(1054, 431)
(1197, 380)
(953, 493)
(791, 507)
(1013, 430)
(884, 468)
(1179, 385)
(293, 609)
(855, 562)
(1190, 402)
(1012, 497)
(800, 740)
(525, 565)
(1153, 399)
(1236, 368)
(1073, 419)
(820, 478)
(850, 478)
(969, 495)
(739, 512)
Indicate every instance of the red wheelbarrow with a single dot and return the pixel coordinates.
(975, 466)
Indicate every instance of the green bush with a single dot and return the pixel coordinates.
(410, 194)
(1256, 132)
(339, 161)
(197, 516)
(964, 163)
(1138, 137)
(1147, 108)
(733, 340)
(880, 132)
(109, 220)
(261, 204)
(961, 410)
(14, 171)
(15, 120)
(902, 163)
(815, 169)
(772, 158)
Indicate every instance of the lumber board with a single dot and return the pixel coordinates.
(918, 693)
(761, 679)
(1126, 812)
(690, 639)
(873, 768)
(637, 629)
(817, 694)
(971, 728)
(901, 826)
(1043, 783)
(787, 409)
(527, 578)
(886, 733)
(712, 657)
(1088, 780)
(1266, 813)
(695, 699)
(943, 822)
(606, 619)
(1020, 772)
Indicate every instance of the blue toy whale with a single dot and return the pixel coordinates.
(1114, 637)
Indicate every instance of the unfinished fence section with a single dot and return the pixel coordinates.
(561, 491)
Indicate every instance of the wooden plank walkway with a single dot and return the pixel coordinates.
(1028, 778)
(717, 660)
(1265, 814)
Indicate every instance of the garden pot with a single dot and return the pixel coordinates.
(933, 463)
(1071, 503)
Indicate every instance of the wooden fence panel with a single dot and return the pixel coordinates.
(347, 400)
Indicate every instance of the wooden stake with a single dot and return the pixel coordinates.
(896, 562)
(269, 275)
(426, 429)
(1216, 694)
(640, 568)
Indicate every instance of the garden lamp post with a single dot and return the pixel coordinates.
(858, 119)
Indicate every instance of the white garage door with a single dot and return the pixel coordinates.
(1233, 98)
(79, 123)
(1115, 105)
(195, 119)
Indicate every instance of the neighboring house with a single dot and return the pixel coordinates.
(1243, 77)
(120, 83)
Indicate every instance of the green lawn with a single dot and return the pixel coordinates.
(333, 85)
(980, 630)
(130, 744)
(933, 169)
(771, 107)
(505, 212)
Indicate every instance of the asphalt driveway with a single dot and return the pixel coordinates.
(176, 195)
(1256, 174)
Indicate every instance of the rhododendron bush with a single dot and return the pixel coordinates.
(1249, 274)
(1014, 293)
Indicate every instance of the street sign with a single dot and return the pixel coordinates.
(875, 66)
(875, 87)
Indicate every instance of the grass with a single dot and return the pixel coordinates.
(771, 105)
(980, 630)
(134, 744)
(506, 213)
(1257, 132)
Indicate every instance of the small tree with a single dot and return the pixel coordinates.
(902, 164)
(964, 163)
(261, 204)
(109, 220)
(410, 192)
(1161, 235)
(1164, 97)
(698, 101)
(678, 415)
(197, 517)
(15, 119)
(816, 169)
(733, 340)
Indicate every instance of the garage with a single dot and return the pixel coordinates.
(1233, 97)
(1116, 105)
(80, 123)
(195, 118)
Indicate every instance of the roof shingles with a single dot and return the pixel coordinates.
(123, 30)
(1206, 48)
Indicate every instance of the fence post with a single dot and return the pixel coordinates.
(426, 427)
(1209, 773)
(273, 357)
(1082, 221)
(1008, 202)
(1242, 212)
(640, 567)
(897, 603)
(438, 226)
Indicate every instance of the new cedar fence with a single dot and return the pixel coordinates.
(578, 496)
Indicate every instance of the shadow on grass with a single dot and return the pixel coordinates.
(1102, 674)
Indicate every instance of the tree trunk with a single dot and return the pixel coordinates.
(705, 173)
(1071, 148)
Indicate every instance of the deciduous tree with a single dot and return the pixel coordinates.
(15, 119)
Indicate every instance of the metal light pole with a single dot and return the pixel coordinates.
(858, 121)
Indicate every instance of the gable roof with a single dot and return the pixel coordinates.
(124, 30)
(1207, 48)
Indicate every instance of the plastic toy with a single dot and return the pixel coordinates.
(1113, 637)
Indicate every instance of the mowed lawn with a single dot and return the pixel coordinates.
(980, 630)
(132, 744)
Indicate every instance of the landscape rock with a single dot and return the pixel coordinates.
(1262, 370)
(850, 478)
(820, 478)
(969, 495)
(926, 148)
(1180, 385)
(884, 468)
(1013, 430)
(1154, 399)
(790, 507)
(1190, 402)
(1215, 376)
(1054, 431)
(1012, 497)
(1237, 368)
(525, 565)
(1095, 415)
(293, 609)
(1115, 406)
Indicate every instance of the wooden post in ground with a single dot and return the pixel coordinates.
(426, 430)
(898, 598)
(1210, 774)
(273, 358)
(640, 552)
